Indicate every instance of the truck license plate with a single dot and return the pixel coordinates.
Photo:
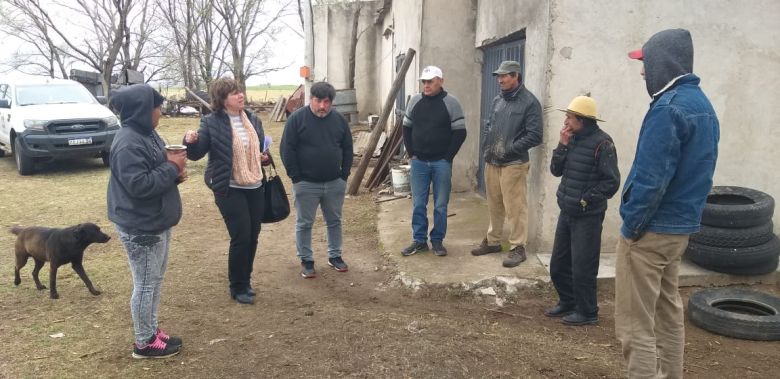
(80, 141)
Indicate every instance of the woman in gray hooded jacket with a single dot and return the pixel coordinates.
(144, 205)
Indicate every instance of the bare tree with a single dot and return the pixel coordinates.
(109, 20)
(22, 19)
(139, 31)
(353, 45)
(300, 13)
(249, 30)
(182, 21)
(193, 43)
(210, 45)
(190, 41)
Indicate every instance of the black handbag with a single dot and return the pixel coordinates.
(277, 205)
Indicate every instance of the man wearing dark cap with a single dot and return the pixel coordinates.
(586, 161)
(662, 202)
(515, 126)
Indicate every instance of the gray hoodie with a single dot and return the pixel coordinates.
(667, 55)
(142, 193)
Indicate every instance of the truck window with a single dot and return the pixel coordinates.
(52, 94)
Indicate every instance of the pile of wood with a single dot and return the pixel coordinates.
(390, 149)
(278, 113)
(286, 106)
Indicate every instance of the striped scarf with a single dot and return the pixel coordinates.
(246, 160)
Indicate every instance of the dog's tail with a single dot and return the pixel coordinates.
(16, 230)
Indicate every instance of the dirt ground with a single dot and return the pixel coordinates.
(355, 324)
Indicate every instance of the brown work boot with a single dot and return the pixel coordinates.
(516, 256)
(484, 248)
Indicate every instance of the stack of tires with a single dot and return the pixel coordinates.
(736, 235)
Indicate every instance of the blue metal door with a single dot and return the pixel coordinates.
(493, 56)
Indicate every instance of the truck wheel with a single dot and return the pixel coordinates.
(23, 164)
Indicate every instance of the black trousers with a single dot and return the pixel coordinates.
(575, 261)
(242, 210)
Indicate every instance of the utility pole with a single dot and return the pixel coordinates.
(308, 55)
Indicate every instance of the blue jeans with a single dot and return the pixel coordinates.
(147, 255)
(423, 174)
(329, 196)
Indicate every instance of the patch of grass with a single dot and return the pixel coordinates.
(96, 328)
(253, 93)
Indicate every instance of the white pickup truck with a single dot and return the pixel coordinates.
(43, 118)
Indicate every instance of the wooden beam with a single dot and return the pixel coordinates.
(205, 104)
(354, 184)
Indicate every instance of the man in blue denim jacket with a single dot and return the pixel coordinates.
(662, 202)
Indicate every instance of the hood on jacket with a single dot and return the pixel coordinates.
(667, 55)
(135, 104)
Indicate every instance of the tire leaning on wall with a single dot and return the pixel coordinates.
(737, 207)
(736, 313)
(734, 260)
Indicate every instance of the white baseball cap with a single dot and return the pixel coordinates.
(431, 72)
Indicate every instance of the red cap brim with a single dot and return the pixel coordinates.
(636, 54)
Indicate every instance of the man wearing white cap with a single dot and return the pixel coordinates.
(515, 126)
(586, 161)
(434, 130)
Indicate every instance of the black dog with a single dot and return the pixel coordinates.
(58, 246)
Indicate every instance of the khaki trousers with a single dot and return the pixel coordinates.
(648, 309)
(507, 192)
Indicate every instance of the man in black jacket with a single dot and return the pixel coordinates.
(515, 127)
(434, 130)
(316, 149)
(586, 161)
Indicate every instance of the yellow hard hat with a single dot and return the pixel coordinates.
(583, 106)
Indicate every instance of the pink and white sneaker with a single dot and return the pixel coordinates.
(170, 340)
(156, 348)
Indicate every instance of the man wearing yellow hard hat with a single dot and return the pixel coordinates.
(586, 161)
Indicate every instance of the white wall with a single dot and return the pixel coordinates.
(441, 32)
(332, 34)
(737, 56)
(573, 47)
(447, 42)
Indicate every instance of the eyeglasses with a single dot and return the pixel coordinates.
(427, 81)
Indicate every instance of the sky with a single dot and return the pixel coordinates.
(288, 51)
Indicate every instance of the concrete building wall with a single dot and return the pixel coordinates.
(442, 39)
(408, 26)
(575, 47)
(332, 31)
(448, 32)
(403, 25)
(736, 56)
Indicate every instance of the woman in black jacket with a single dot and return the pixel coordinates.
(233, 138)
